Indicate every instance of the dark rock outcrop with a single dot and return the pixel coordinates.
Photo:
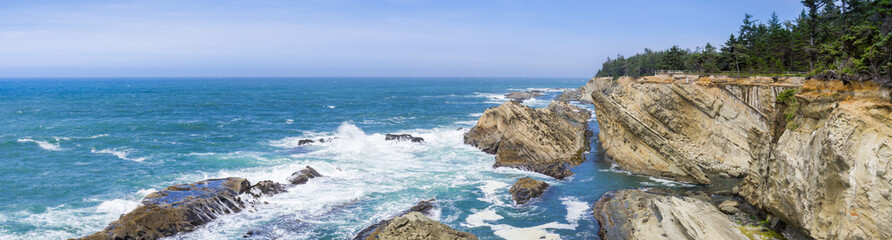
(527, 188)
(309, 141)
(178, 208)
(547, 141)
(412, 224)
(521, 96)
(403, 137)
(569, 95)
(267, 188)
(303, 175)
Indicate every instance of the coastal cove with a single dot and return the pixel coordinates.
(78, 153)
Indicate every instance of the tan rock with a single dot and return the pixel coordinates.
(635, 214)
(412, 225)
(547, 141)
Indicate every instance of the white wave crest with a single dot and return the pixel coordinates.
(121, 152)
(43, 144)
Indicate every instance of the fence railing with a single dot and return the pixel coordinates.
(728, 73)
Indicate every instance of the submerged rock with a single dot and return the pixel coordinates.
(304, 175)
(403, 137)
(660, 214)
(178, 208)
(547, 141)
(309, 141)
(521, 96)
(527, 188)
(412, 224)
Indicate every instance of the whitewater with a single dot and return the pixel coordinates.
(76, 154)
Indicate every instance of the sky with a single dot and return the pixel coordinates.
(354, 38)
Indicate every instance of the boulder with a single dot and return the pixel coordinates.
(521, 96)
(729, 207)
(661, 214)
(304, 175)
(178, 208)
(412, 224)
(527, 188)
(403, 137)
(547, 141)
(308, 141)
(267, 188)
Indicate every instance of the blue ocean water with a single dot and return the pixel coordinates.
(75, 154)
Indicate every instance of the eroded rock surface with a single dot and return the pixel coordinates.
(527, 188)
(547, 141)
(686, 129)
(830, 173)
(178, 208)
(412, 224)
(636, 214)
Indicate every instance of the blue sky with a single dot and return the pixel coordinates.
(406, 38)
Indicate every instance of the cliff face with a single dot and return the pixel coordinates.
(820, 163)
(830, 173)
(685, 129)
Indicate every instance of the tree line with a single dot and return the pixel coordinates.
(843, 39)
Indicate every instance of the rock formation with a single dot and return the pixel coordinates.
(569, 95)
(403, 137)
(178, 208)
(819, 159)
(830, 173)
(636, 214)
(412, 224)
(522, 96)
(303, 175)
(686, 129)
(527, 188)
(184, 207)
(547, 141)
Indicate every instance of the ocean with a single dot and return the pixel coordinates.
(75, 154)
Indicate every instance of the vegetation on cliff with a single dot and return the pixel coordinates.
(849, 39)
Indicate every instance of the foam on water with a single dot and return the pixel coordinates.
(121, 152)
(43, 144)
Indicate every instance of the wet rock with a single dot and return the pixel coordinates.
(547, 141)
(636, 214)
(521, 96)
(309, 141)
(267, 188)
(176, 209)
(527, 188)
(412, 224)
(403, 137)
(304, 175)
(729, 207)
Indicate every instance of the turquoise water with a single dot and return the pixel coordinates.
(75, 154)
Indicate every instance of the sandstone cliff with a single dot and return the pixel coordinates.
(819, 160)
(830, 172)
(685, 128)
(547, 141)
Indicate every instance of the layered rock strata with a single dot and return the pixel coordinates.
(547, 141)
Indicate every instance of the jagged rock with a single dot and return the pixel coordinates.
(403, 137)
(659, 214)
(569, 95)
(178, 208)
(830, 173)
(729, 207)
(308, 141)
(547, 141)
(527, 188)
(304, 175)
(521, 96)
(267, 188)
(412, 224)
(686, 129)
